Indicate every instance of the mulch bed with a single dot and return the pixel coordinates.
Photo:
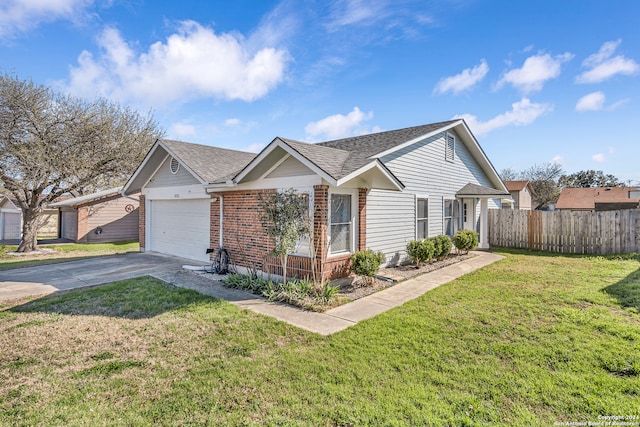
(353, 287)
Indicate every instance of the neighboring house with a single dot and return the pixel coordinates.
(376, 191)
(105, 216)
(10, 219)
(599, 199)
(521, 193)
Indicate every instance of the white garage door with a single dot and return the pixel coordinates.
(179, 227)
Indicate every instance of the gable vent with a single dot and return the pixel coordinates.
(450, 148)
(175, 165)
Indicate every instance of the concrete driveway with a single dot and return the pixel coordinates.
(45, 279)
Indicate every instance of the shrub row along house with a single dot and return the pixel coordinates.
(376, 191)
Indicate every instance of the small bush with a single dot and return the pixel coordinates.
(299, 292)
(366, 263)
(420, 250)
(442, 246)
(465, 240)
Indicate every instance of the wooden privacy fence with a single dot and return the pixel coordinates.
(580, 232)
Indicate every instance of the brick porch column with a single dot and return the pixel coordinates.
(362, 219)
(320, 224)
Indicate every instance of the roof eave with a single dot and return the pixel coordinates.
(420, 138)
(278, 142)
(396, 184)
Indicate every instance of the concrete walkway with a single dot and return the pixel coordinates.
(341, 317)
(46, 279)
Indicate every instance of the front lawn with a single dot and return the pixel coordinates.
(535, 339)
(62, 253)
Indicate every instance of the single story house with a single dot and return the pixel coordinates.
(376, 191)
(599, 198)
(10, 219)
(521, 194)
(105, 216)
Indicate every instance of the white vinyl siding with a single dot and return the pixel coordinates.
(290, 167)
(390, 223)
(165, 178)
(423, 169)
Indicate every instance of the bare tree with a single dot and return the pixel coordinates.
(51, 144)
(544, 179)
(509, 174)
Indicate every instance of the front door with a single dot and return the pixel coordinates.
(468, 214)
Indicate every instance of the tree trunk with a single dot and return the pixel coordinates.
(30, 221)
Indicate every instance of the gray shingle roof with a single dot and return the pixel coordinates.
(328, 159)
(341, 157)
(211, 164)
(75, 201)
(479, 190)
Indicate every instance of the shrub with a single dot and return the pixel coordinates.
(442, 246)
(299, 292)
(366, 263)
(465, 240)
(420, 250)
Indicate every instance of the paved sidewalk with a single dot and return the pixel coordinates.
(339, 318)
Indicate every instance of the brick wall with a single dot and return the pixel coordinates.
(250, 247)
(244, 238)
(141, 222)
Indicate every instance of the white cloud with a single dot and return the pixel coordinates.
(523, 112)
(535, 71)
(463, 81)
(340, 126)
(182, 130)
(599, 157)
(353, 12)
(591, 102)
(232, 122)
(195, 62)
(19, 16)
(557, 159)
(603, 66)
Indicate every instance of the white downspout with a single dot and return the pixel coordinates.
(221, 220)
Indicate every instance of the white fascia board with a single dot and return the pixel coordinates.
(193, 191)
(256, 160)
(484, 161)
(377, 164)
(414, 140)
(279, 143)
(220, 186)
(140, 168)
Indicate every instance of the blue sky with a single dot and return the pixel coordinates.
(537, 81)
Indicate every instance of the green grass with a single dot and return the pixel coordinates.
(534, 339)
(63, 253)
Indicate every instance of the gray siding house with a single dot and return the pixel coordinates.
(376, 191)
